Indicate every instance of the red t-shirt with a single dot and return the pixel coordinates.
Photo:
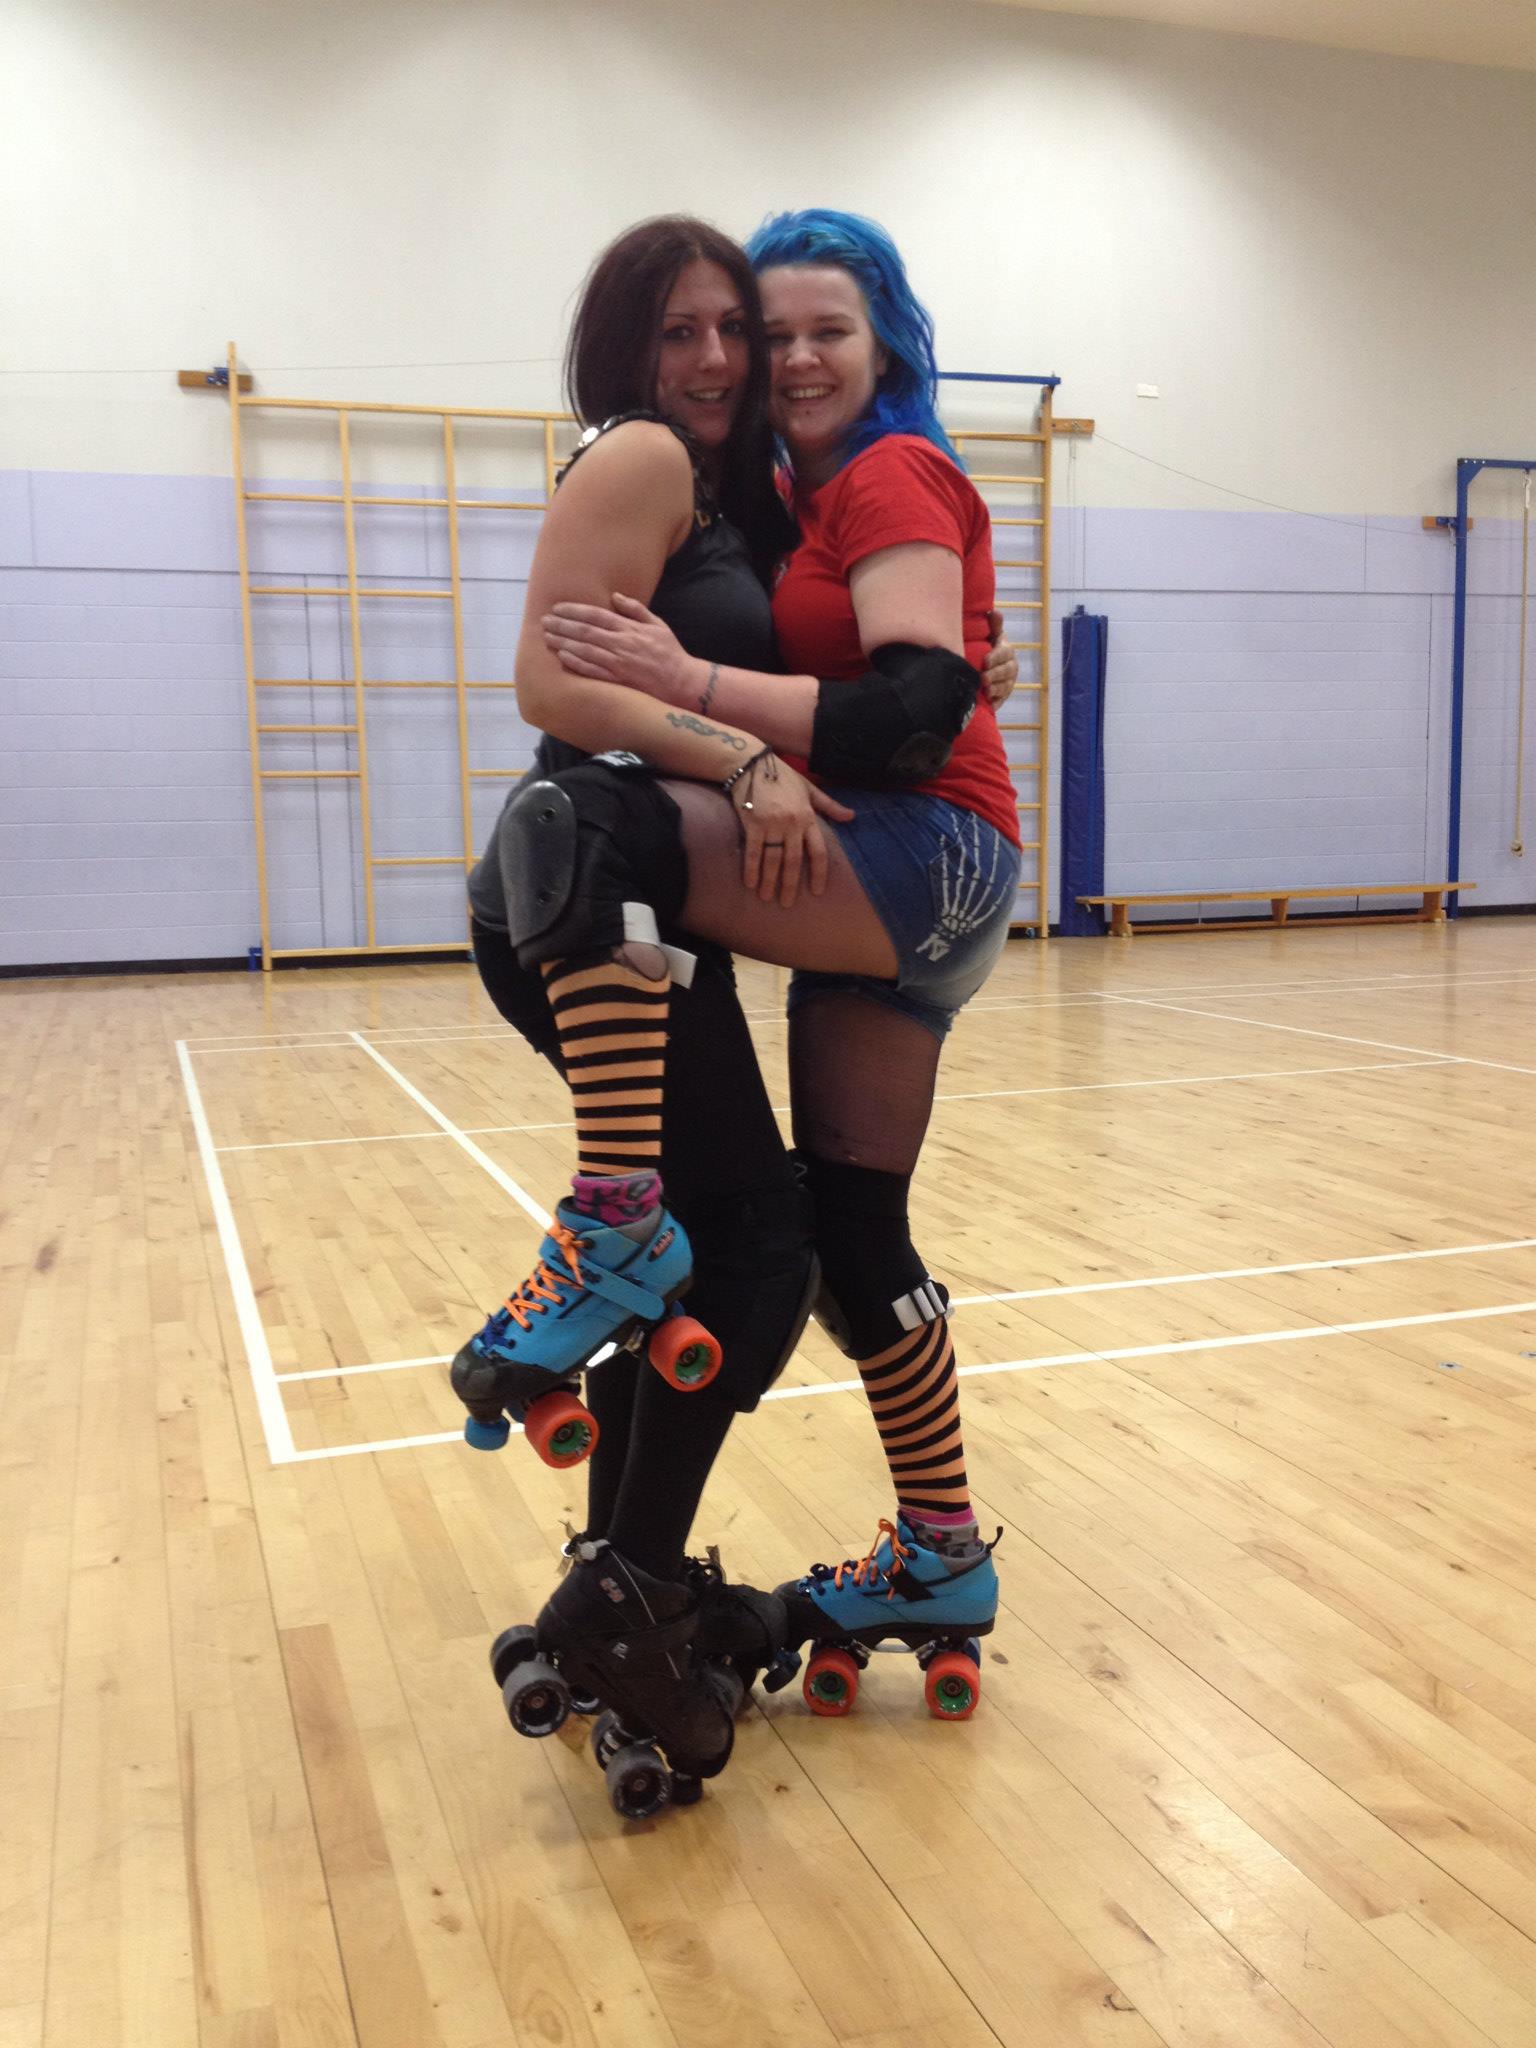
(898, 490)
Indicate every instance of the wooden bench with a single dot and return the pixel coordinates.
(1431, 911)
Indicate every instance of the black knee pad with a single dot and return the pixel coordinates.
(874, 1286)
(576, 847)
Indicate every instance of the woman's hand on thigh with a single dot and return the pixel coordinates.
(783, 844)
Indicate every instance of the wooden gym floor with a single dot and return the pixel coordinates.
(1245, 1243)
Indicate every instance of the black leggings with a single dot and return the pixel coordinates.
(734, 1187)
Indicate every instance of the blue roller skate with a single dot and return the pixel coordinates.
(593, 1286)
(901, 1592)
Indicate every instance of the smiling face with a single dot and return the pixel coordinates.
(826, 361)
(702, 355)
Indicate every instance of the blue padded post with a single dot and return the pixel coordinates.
(1084, 659)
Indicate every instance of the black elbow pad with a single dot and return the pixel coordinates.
(896, 724)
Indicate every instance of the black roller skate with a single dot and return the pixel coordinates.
(509, 1646)
(612, 1632)
(740, 1629)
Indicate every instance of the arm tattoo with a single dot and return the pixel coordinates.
(688, 723)
(709, 687)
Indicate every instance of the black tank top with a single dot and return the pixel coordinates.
(711, 597)
(709, 593)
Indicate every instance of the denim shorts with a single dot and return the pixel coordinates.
(943, 882)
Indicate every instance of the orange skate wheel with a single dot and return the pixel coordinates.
(561, 1429)
(831, 1682)
(684, 1353)
(953, 1690)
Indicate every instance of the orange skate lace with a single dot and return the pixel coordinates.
(867, 1568)
(543, 1286)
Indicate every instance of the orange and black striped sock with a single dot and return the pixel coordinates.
(914, 1392)
(612, 1023)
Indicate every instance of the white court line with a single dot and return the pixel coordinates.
(1427, 983)
(1199, 1080)
(1109, 1356)
(1339, 1037)
(389, 1443)
(977, 1095)
(342, 1372)
(505, 1034)
(269, 1402)
(1384, 984)
(495, 1130)
(296, 1043)
(1453, 1251)
(1054, 1088)
(468, 1034)
(446, 1034)
(502, 1179)
(1245, 990)
(257, 1041)
(1076, 1287)
(288, 1144)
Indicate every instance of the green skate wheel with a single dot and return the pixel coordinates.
(684, 1352)
(561, 1428)
(831, 1683)
(953, 1687)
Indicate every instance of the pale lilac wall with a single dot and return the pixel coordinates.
(1279, 692)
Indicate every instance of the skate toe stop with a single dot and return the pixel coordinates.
(487, 1436)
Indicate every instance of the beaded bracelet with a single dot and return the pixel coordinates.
(746, 768)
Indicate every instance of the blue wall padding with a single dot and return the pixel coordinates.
(1084, 653)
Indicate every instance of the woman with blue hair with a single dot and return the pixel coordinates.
(853, 820)
(904, 400)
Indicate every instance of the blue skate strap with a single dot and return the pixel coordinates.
(626, 1294)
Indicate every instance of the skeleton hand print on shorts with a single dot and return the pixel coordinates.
(971, 879)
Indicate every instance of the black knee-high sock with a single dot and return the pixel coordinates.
(889, 1310)
(674, 1440)
(610, 1392)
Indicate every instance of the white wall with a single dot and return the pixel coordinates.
(1324, 260)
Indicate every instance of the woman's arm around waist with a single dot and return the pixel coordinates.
(623, 509)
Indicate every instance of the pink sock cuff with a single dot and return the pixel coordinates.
(961, 1518)
(616, 1199)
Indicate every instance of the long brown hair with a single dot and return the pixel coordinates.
(615, 344)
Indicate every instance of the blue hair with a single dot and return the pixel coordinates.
(906, 397)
